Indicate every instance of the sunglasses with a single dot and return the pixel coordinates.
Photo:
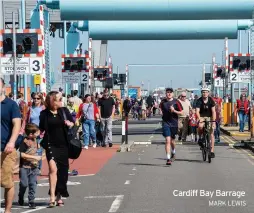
(36, 98)
(183, 96)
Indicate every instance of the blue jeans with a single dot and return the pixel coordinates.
(28, 178)
(39, 153)
(242, 120)
(217, 131)
(89, 131)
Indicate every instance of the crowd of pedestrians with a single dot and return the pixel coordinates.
(42, 125)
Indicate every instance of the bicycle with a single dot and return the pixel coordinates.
(206, 137)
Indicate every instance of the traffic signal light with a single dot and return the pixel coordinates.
(241, 63)
(26, 43)
(105, 73)
(208, 77)
(236, 63)
(122, 78)
(250, 63)
(109, 83)
(115, 79)
(221, 72)
(101, 73)
(74, 63)
(95, 74)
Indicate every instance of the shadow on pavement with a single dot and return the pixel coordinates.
(189, 160)
(143, 164)
(178, 159)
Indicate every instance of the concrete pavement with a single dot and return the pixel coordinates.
(139, 181)
(242, 137)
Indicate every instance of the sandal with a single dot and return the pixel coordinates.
(60, 203)
(52, 204)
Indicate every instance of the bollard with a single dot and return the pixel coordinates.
(123, 129)
(126, 127)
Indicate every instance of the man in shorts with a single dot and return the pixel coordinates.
(171, 108)
(10, 128)
(205, 110)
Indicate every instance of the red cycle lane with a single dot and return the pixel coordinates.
(91, 161)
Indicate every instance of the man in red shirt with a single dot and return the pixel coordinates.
(218, 100)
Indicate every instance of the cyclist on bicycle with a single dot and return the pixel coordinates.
(205, 110)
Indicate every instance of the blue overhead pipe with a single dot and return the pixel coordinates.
(155, 9)
(52, 4)
(163, 30)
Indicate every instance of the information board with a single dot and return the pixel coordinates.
(24, 65)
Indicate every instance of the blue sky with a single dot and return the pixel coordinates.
(158, 52)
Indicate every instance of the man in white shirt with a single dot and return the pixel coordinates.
(77, 100)
(183, 121)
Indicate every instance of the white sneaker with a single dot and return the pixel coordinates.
(86, 147)
(94, 145)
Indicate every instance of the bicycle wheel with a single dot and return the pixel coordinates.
(204, 154)
(204, 151)
(208, 148)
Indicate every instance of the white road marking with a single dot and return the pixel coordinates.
(116, 203)
(142, 143)
(127, 182)
(140, 154)
(143, 150)
(151, 136)
(33, 210)
(69, 183)
(131, 174)
(146, 145)
(139, 159)
(2, 210)
(103, 196)
(134, 169)
(88, 175)
(38, 198)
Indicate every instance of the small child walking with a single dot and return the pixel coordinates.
(193, 125)
(29, 162)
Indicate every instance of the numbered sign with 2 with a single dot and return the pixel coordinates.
(234, 77)
(36, 65)
(84, 77)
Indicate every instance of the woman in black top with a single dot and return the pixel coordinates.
(55, 144)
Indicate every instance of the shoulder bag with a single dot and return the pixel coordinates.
(75, 146)
(84, 116)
